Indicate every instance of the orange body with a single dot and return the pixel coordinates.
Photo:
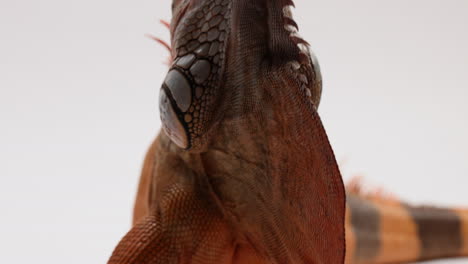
(378, 231)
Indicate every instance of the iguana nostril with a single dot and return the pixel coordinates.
(200, 71)
(180, 89)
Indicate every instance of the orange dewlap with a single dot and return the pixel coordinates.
(141, 208)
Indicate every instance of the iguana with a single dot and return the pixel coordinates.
(243, 171)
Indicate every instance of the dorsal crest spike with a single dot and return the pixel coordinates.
(298, 40)
(290, 25)
(163, 42)
(291, 22)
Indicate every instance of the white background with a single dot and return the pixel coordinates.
(78, 108)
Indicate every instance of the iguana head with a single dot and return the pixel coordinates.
(219, 49)
(241, 95)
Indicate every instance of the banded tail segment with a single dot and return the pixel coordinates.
(379, 231)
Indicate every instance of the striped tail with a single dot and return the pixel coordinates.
(380, 231)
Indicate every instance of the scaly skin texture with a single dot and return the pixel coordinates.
(243, 171)
(386, 231)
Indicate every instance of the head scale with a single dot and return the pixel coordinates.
(208, 36)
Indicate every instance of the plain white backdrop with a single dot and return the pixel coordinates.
(78, 109)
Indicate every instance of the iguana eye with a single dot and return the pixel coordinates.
(174, 102)
(191, 92)
(171, 123)
(185, 107)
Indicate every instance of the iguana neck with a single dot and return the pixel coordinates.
(269, 160)
(222, 50)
